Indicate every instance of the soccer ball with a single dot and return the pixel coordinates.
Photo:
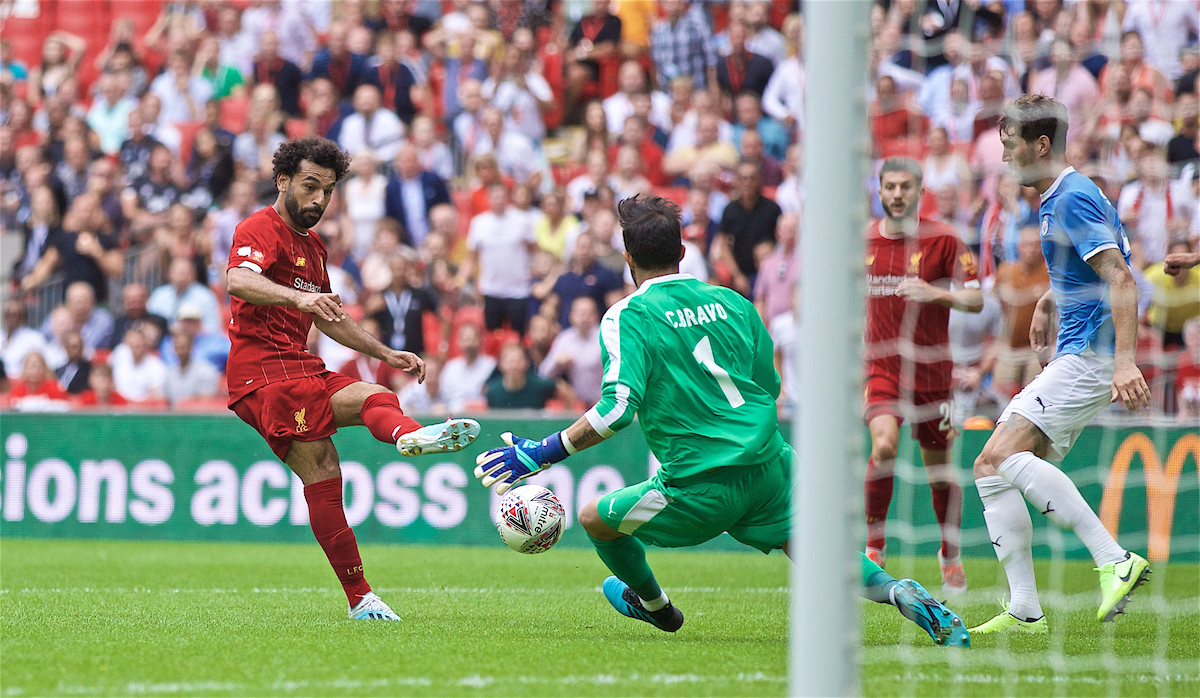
(530, 519)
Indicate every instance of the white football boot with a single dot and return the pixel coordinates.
(445, 437)
(371, 607)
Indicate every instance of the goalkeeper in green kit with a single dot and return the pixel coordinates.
(695, 364)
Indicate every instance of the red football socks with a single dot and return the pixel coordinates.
(328, 521)
(947, 505)
(381, 414)
(877, 496)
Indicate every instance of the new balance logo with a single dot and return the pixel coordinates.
(1048, 509)
(1044, 405)
(997, 541)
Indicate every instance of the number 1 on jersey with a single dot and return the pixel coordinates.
(704, 356)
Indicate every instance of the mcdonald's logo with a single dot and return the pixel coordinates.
(1162, 483)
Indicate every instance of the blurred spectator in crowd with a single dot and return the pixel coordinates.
(253, 149)
(424, 397)
(585, 276)
(513, 151)
(501, 244)
(372, 126)
(1166, 27)
(69, 178)
(750, 116)
(575, 353)
(1182, 148)
(650, 153)
(221, 223)
(40, 229)
(785, 335)
(346, 70)
(146, 200)
(783, 98)
(682, 46)
(137, 373)
(709, 149)
(627, 179)
(779, 272)
(591, 50)
(944, 166)
(1070, 83)
(270, 68)
(85, 250)
(182, 94)
(109, 115)
(215, 68)
(181, 288)
(412, 193)
(461, 70)
(958, 114)
(395, 80)
(94, 324)
(464, 376)
(364, 199)
(521, 95)
(61, 55)
(973, 345)
(434, 155)
(1147, 210)
(749, 221)
(208, 347)
(399, 309)
(516, 386)
(1176, 297)
(73, 375)
(102, 389)
(1019, 286)
(134, 297)
(19, 339)
(1187, 374)
(763, 39)
(751, 145)
(633, 85)
(742, 71)
(191, 377)
(790, 192)
(36, 380)
(702, 228)
(557, 225)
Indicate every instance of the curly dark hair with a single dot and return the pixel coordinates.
(319, 151)
(1032, 116)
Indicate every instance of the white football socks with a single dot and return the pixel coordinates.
(655, 604)
(1052, 492)
(1011, 532)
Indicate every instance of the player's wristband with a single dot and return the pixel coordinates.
(555, 448)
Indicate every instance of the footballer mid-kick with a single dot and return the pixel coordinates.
(696, 364)
(280, 288)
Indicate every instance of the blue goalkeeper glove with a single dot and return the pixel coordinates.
(520, 459)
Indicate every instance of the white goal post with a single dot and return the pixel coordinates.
(826, 428)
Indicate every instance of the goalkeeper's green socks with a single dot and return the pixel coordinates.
(626, 558)
(877, 584)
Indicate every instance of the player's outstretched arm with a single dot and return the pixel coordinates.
(1128, 384)
(255, 288)
(968, 300)
(350, 334)
(521, 458)
(1177, 262)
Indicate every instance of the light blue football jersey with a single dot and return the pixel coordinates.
(1078, 222)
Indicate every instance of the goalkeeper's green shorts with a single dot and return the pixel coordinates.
(750, 502)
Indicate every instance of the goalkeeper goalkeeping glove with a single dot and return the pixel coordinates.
(520, 459)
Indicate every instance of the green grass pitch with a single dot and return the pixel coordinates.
(100, 618)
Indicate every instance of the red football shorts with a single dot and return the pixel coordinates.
(293, 410)
(931, 412)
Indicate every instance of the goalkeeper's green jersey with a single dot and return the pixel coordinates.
(696, 365)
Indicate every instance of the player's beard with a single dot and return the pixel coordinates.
(305, 218)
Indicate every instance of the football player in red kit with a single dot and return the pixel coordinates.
(280, 288)
(913, 266)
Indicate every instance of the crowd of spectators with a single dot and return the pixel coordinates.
(491, 140)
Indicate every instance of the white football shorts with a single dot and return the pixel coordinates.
(1065, 397)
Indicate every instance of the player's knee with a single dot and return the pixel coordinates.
(883, 448)
(589, 518)
(988, 460)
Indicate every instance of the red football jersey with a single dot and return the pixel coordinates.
(906, 341)
(270, 342)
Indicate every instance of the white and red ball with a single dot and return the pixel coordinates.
(530, 519)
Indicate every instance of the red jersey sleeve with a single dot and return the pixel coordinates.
(962, 267)
(254, 246)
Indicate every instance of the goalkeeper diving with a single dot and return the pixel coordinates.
(695, 364)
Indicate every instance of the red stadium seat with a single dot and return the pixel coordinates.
(675, 194)
(233, 113)
(26, 35)
(187, 133)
